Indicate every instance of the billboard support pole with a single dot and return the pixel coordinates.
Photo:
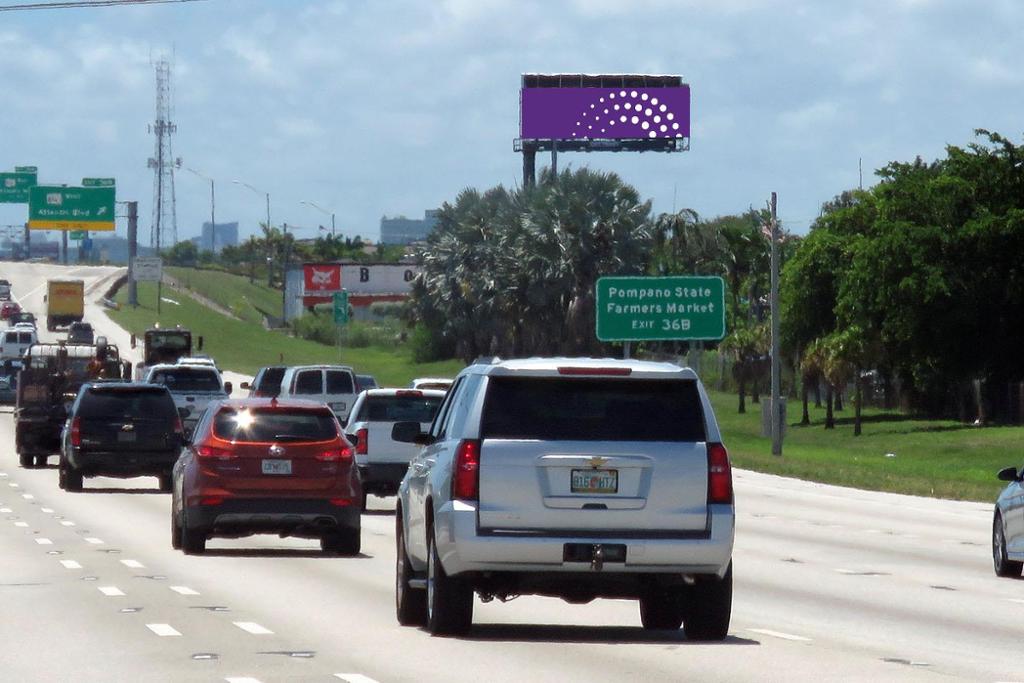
(554, 161)
(529, 165)
(64, 246)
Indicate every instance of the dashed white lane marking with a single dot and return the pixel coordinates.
(28, 496)
(21, 524)
(14, 485)
(241, 679)
(133, 564)
(94, 541)
(6, 510)
(184, 590)
(111, 591)
(70, 564)
(48, 511)
(163, 629)
(1019, 601)
(67, 523)
(44, 541)
(355, 678)
(779, 634)
(253, 628)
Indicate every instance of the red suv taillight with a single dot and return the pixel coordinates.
(335, 454)
(206, 451)
(719, 474)
(76, 432)
(362, 441)
(466, 471)
(179, 428)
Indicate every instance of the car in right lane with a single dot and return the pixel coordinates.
(266, 466)
(573, 478)
(1008, 525)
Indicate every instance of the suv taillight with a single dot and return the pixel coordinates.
(719, 474)
(205, 451)
(179, 427)
(362, 441)
(335, 454)
(76, 432)
(466, 471)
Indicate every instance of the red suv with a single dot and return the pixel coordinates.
(266, 466)
(9, 308)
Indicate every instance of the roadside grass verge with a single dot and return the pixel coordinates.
(937, 458)
(244, 346)
(234, 292)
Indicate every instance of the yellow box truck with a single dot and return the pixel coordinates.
(65, 303)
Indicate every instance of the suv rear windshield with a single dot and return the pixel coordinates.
(106, 403)
(587, 409)
(339, 382)
(188, 379)
(275, 424)
(399, 408)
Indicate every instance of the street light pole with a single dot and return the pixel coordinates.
(213, 217)
(270, 270)
(322, 210)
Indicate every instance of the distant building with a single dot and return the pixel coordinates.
(216, 236)
(402, 230)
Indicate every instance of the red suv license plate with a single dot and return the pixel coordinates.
(595, 481)
(277, 467)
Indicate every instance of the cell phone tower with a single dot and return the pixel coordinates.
(163, 163)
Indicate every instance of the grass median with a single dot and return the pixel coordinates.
(895, 452)
(245, 346)
(246, 300)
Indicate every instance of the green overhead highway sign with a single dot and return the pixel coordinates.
(660, 308)
(26, 169)
(14, 187)
(71, 208)
(98, 182)
(77, 235)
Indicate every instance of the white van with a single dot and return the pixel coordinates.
(334, 385)
(14, 342)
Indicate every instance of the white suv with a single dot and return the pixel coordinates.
(573, 478)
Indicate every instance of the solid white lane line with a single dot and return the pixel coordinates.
(779, 634)
(70, 564)
(67, 523)
(184, 590)
(48, 511)
(44, 541)
(355, 678)
(94, 541)
(253, 628)
(163, 629)
(111, 591)
(21, 524)
(133, 564)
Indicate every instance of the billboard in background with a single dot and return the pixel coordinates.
(321, 278)
(609, 113)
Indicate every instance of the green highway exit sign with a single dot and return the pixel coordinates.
(98, 182)
(14, 187)
(340, 301)
(71, 208)
(660, 308)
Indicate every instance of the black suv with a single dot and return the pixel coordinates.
(80, 333)
(120, 429)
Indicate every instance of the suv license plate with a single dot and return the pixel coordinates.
(126, 437)
(337, 407)
(595, 481)
(277, 467)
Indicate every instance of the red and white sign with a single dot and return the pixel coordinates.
(322, 278)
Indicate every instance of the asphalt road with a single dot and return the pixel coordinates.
(831, 584)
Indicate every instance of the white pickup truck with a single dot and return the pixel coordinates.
(193, 387)
(382, 461)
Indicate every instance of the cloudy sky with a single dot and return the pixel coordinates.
(392, 107)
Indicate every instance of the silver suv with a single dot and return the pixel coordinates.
(573, 478)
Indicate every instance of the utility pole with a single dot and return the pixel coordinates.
(64, 246)
(133, 249)
(776, 404)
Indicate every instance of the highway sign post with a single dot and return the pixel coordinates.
(147, 269)
(660, 308)
(71, 208)
(14, 187)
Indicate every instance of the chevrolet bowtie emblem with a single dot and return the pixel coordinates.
(597, 461)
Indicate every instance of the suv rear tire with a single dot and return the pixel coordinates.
(165, 483)
(70, 480)
(449, 600)
(193, 541)
(662, 610)
(410, 603)
(1003, 566)
(341, 541)
(708, 608)
(175, 530)
(26, 460)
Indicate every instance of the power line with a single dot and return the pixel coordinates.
(26, 6)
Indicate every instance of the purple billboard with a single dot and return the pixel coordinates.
(609, 113)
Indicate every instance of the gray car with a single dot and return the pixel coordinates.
(1008, 525)
(572, 478)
